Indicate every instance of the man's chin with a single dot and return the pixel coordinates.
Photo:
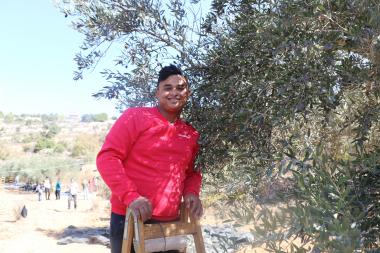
(175, 109)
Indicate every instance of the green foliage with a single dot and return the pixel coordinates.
(43, 143)
(100, 117)
(286, 77)
(278, 63)
(366, 185)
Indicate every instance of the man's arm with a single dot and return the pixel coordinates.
(114, 151)
(192, 187)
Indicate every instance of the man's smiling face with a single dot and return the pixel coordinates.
(172, 93)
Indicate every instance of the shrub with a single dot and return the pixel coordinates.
(43, 143)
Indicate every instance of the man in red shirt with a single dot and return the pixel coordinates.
(147, 159)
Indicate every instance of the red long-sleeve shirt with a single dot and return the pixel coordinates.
(146, 155)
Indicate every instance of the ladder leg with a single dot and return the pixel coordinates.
(139, 236)
(128, 235)
(198, 238)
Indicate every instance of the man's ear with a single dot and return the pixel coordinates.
(156, 93)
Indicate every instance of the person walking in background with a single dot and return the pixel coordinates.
(147, 159)
(39, 190)
(58, 189)
(92, 184)
(47, 186)
(85, 189)
(73, 193)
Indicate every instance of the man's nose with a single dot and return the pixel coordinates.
(174, 92)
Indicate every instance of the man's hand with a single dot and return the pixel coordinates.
(142, 207)
(193, 202)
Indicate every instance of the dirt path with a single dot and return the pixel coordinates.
(46, 222)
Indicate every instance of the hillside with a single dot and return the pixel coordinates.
(34, 146)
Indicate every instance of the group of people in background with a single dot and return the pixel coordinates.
(72, 190)
(45, 187)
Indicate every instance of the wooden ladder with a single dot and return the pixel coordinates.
(135, 230)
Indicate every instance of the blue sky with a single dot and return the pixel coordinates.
(37, 48)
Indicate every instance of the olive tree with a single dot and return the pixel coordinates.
(292, 89)
(283, 91)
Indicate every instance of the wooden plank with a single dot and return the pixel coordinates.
(153, 231)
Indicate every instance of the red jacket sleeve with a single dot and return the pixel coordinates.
(114, 151)
(193, 179)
